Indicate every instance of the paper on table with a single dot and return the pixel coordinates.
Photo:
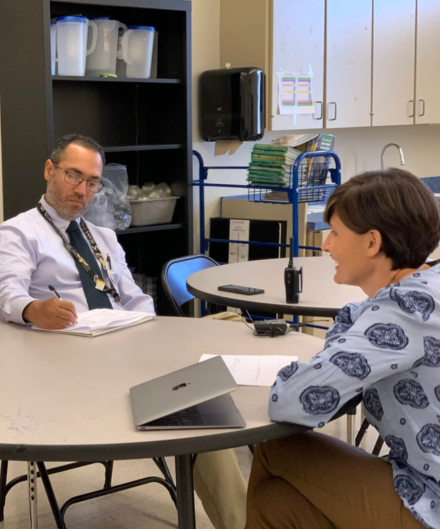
(99, 318)
(102, 319)
(254, 370)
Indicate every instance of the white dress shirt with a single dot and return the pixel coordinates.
(33, 256)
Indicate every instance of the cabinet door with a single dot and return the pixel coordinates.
(349, 41)
(428, 62)
(393, 62)
(297, 42)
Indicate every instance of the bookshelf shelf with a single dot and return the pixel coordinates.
(144, 229)
(111, 80)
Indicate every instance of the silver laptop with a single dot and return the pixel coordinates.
(194, 397)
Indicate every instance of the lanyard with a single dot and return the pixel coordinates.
(99, 284)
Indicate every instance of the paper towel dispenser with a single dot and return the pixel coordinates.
(233, 104)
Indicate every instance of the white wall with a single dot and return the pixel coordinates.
(359, 149)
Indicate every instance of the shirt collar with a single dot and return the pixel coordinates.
(59, 222)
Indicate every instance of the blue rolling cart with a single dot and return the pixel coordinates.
(313, 178)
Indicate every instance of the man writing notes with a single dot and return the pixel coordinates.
(52, 245)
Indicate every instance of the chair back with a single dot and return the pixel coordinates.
(175, 274)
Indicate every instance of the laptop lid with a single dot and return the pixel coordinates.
(180, 389)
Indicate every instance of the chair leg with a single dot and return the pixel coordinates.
(378, 446)
(3, 479)
(361, 432)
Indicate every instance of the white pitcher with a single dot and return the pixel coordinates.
(137, 51)
(72, 44)
(103, 58)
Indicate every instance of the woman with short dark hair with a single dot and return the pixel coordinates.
(384, 225)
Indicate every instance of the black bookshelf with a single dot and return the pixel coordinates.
(142, 123)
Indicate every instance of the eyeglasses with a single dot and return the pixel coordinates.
(75, 180)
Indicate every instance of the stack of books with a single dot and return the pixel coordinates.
(271, 165)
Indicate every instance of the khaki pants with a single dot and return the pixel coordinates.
(312, 481)
(220, 485)
(218, 480)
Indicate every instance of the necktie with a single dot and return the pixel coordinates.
(96, 299)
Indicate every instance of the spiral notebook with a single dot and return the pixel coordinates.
(102, 321)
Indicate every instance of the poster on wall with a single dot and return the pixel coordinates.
(295, 93)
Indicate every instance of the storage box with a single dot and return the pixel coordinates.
(152, 211)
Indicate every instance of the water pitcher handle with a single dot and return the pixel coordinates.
(124, 45)
(124, 28)
(53, 29)
(94, 36)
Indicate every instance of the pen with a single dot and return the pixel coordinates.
(109, 261)
(54, 291)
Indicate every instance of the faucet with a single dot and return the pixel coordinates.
(402, 159)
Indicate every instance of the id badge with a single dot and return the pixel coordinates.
(100, 285)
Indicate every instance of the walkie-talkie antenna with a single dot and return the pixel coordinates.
(291, 253)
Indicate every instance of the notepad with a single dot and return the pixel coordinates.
(102, 321)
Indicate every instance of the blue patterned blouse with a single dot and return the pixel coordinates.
(388, 348)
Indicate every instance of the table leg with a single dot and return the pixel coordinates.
(32, 491)
(185, 492)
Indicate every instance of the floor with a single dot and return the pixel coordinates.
(148, 506)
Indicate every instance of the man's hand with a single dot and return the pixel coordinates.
(50, 314)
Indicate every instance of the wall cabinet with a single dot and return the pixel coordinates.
(348, 55)
(142, 123)
(427, 96)
(297, 42)
(394, 62)
(292, 39)
(365, 73)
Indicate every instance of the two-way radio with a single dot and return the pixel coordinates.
(293, 279)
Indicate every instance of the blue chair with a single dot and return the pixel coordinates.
(175, 274)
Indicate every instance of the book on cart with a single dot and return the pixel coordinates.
(102, 321)
(272, 165)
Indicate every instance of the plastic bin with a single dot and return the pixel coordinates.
(152, 211)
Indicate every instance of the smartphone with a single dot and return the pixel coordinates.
(237, 289)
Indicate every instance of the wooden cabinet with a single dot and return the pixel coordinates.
(428, 62)
(348, 55)
(277, 35)
(394, 62)
(142, 123)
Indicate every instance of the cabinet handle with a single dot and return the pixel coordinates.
(423, 111)
(313, 115)
(411, 101)
(328, 111)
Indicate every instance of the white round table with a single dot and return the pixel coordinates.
(66, 398)
(321, 296)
